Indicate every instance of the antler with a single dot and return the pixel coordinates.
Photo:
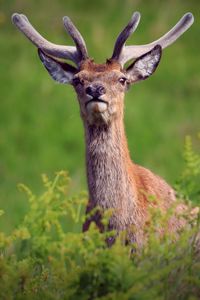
(124, 53)
(76, 54)
(123, 36)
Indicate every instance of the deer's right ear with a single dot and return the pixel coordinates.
(59, 71)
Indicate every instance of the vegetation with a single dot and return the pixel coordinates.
(48, 257)
(40, 127)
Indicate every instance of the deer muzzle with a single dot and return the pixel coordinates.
(96, 102)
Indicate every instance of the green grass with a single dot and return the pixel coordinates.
(40, 126)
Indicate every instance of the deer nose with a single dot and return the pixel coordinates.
(95, 90)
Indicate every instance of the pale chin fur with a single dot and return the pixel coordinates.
(98, 118)
(96, 107)
(97, 112)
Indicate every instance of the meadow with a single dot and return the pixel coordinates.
(40, 127)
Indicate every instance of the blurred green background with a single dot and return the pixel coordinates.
(40, 127)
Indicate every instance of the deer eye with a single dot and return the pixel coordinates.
(122, 80)
(77, 81)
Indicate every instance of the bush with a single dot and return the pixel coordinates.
(45, 259)
(188, 185)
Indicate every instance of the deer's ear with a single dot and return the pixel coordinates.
(145, 65)
(59, 71)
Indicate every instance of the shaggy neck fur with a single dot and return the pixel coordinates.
(108, 168)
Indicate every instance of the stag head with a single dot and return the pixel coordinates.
(101, 87)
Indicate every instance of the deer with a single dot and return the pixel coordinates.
(114, 180)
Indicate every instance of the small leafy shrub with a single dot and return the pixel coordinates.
(188, 185)
(46, 259)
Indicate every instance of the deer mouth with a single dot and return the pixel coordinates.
(96, 100)
(96, 105)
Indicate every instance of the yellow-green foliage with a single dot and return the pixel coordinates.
(40, 125)
(188, 184)
(45, 259)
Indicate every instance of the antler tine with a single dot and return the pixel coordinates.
(77, 37)
(123, 36)
(60, 51)
(132, 52)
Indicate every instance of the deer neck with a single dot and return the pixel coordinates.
(109, 166)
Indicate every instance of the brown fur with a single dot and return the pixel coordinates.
(90, 66)
(114, 181)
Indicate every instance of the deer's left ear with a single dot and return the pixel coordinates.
(145, 65)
